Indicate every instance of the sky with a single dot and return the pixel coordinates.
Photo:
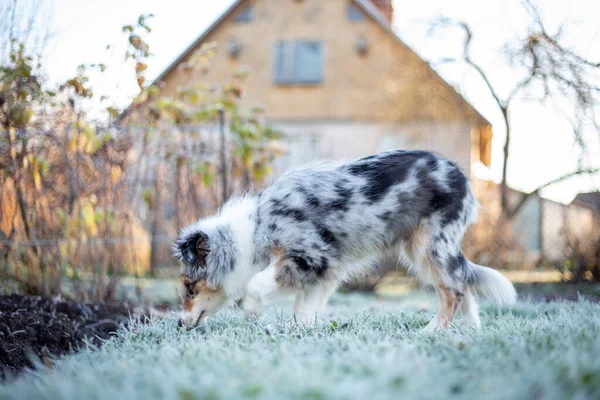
(542, 145)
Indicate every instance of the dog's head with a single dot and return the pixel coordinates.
(201, 298)
(199, 301)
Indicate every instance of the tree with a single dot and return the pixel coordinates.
(24, 22)
(550, 71)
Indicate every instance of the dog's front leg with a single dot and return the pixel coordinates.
(260, 291)
(311, 302)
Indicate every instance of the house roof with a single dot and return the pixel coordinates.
(366, 5)
(588, 200)
(372, 10)
(199, 40)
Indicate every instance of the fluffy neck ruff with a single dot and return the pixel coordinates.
(229, 262)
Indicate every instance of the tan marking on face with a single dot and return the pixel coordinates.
(193, 289)
(201, 300)
(202, 287)
(188, 305)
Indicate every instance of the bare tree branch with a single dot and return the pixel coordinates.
(444, 22)
(552, 72)
(534, 13)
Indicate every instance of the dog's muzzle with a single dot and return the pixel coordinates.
(185, 322)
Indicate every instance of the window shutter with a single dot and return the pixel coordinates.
(279, 58)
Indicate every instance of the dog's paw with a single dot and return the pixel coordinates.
(434, 326)
(252, 306)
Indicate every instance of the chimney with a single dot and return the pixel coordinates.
(386, 8)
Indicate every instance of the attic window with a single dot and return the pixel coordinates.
(244, 16)
(298, 63)
(354, 14)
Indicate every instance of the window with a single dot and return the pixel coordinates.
(244, 16)
(354, 14)
(298, 62)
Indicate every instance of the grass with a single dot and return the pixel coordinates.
(564, 290)
(372, 349)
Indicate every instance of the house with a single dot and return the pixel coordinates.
(542, 229)
(337, 80)
(588, 200)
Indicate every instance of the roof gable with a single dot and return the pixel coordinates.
(370, 10)
(236, 4)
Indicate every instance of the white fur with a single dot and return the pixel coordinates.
(470, 311)
(310, 303)
(494, 285)
(261, 289)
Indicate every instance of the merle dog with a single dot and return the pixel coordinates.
(322, 224)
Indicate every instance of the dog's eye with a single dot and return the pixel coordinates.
(190, 289)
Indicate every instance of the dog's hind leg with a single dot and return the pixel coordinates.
(470, 310)
(449, 301)
(435, 266)
(449, 274)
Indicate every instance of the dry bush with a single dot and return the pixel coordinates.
(82, 203)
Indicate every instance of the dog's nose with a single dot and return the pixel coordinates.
(180, 323)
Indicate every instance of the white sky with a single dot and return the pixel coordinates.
(542, 145)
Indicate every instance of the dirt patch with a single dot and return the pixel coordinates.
(33, 327)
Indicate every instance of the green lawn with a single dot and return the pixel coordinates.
(373, 350)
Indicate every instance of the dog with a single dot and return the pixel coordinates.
(320, 225)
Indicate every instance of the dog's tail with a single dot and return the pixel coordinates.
(492, 284)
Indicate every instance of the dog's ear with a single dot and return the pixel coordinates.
(192, 249)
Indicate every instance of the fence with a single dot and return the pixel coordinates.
(543, 233)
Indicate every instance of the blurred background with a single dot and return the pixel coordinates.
(120, 122)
